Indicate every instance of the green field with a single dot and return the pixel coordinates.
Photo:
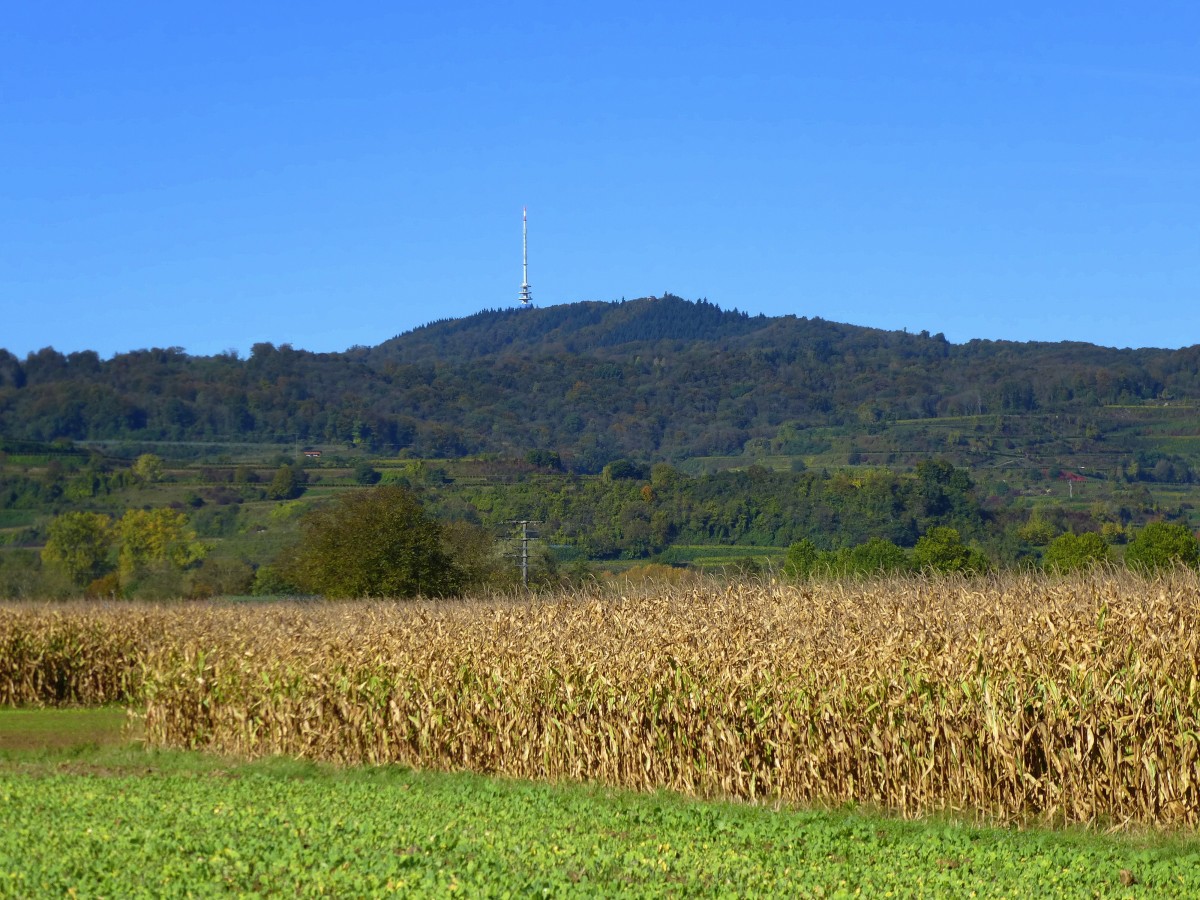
(43, 729)
(17, 518)
(108, 818)
(720, 556)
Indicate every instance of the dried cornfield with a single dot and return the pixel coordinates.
(85, 654)
(1018, 698)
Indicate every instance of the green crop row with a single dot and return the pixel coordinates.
(284, 829)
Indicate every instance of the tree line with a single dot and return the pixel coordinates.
(382, 543)
(651, 379)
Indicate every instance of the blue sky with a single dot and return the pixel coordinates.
(214, 175)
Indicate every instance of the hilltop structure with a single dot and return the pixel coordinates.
(526, 297)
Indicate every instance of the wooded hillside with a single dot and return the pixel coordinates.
(647, 379)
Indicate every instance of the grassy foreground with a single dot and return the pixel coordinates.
(43, 729)
(127, 821)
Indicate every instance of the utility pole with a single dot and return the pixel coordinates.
(523, 556)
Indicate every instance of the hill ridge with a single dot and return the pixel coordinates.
(648, 378)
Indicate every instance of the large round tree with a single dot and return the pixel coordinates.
(372, 543)
(79, 542)
(1162, 545)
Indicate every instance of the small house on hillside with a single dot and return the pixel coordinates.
(312, 454)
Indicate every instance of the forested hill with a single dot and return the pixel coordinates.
(571, 328)
(651, 379)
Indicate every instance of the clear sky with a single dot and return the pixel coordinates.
(216, 174)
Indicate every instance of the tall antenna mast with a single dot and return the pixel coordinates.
(526, 297)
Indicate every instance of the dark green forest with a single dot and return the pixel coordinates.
(650, 380)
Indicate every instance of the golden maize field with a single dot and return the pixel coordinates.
(1015, 698)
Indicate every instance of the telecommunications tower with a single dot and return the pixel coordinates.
(526, 297)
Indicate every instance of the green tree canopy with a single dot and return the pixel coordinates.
(285, 484)
(876, 556)
(1036, 530)
(79, 542)
(151, 537)
(802, 559)
(1161, 545)
(941, 549)
(478, 558)
(544, 459)
(1073, 552)
(365, 473)
(148, 467)
(372, 543)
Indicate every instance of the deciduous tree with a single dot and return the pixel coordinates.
(285, 485)
(372, 543)
(877, 556)
(1161, 545)
(1073, 552)
(156, 536)
(941, 549)
(148, 468)
(79, 543)
(802, 559)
